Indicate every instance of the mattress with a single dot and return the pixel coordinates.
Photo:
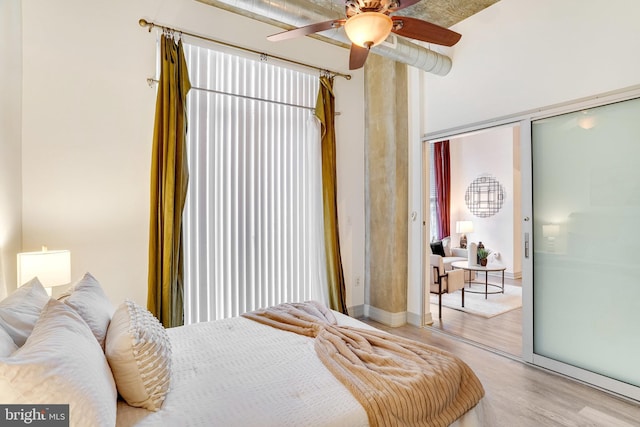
(237, 372)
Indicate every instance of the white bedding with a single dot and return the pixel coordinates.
(237, 372)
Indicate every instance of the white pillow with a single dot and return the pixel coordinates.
(61, 363)
(7, 346)
(139, 353)
(89, 300)
(446, 245)
(20, 311)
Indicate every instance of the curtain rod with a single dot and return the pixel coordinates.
(151, 82)
(144, 23)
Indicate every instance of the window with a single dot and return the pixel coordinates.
(254, 202)
(433, 197)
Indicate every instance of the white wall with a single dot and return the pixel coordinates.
(491, 152)
(416, 272)
(88, 123)
(518, 55)
(10, 166)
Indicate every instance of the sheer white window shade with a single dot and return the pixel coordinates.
(252, 212)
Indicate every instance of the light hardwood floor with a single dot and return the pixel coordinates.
(522, 395)
(502, 332)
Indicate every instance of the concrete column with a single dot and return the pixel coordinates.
(386, 189)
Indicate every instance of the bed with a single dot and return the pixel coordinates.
(232, 372)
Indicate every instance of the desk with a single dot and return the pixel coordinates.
(464, 265)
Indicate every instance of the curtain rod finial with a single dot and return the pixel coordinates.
(144, 23)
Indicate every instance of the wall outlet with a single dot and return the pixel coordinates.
(358, 281)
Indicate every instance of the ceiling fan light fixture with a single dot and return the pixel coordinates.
(368, 29)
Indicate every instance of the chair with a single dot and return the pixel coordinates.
(444, 281)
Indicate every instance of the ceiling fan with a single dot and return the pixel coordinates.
(368, 23)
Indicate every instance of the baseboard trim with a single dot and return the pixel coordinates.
(356, 311)
(415, 319)
(386, 318)
(507, 275)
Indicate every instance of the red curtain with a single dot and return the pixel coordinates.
(443, 186)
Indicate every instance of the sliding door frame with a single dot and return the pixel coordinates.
(605, 383)
(524, 120)
(526, 192)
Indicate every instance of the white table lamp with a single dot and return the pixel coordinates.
(464, 227)
(551, 232)
(52, 268)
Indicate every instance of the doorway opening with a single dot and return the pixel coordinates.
(479, 199)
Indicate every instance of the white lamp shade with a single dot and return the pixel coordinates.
(368, 29)
(52, 268)
(464, 227)
(550, 230)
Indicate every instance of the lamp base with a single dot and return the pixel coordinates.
(463, 241)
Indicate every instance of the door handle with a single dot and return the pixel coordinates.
(526, 245)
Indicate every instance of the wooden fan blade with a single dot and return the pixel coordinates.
(357, 56)
(404, 3)
(306, 30)
(425, 31)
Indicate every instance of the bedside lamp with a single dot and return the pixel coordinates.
(464, 227)
(52, 268)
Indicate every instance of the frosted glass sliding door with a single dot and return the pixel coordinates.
(586, 234)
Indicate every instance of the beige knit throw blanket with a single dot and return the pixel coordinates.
(399, 382)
